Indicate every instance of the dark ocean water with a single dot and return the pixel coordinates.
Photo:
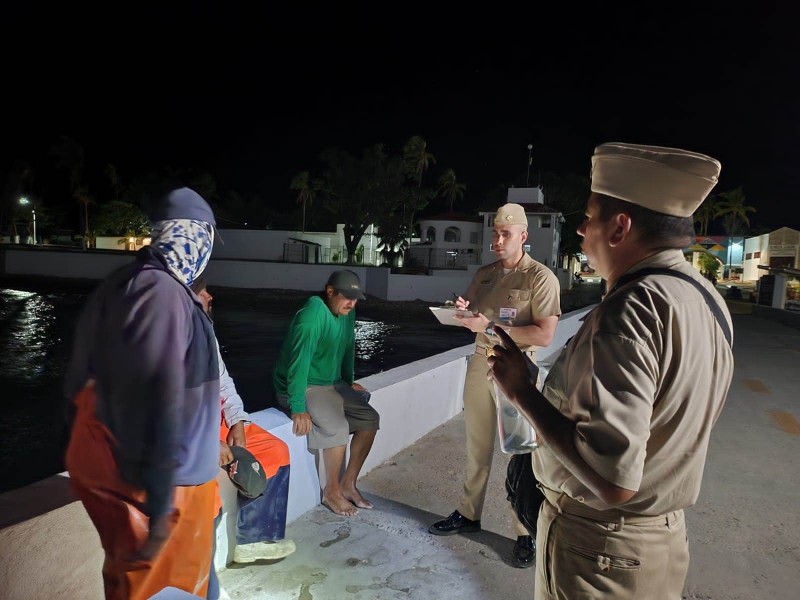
(36, 330)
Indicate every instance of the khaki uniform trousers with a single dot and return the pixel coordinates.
(585, 554)
(480, 418)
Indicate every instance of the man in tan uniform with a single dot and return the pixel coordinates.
(521, 296)
(626, 412)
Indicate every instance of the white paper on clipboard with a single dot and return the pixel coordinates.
(446, 315)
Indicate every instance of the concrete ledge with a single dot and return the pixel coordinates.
(48, 546)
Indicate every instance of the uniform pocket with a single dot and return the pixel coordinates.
(606, 562)
(519, 295)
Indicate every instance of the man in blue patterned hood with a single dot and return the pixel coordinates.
(144, 377)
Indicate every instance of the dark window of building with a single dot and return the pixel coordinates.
(748, 256)
(452, 234)
(757, 255)
(431, 234)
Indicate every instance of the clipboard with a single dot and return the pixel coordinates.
(446, 315)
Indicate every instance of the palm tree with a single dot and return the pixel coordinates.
(71, 157)
(734, 211)
(416, 160)
(306, 191)
(392, 240)
(449, 188)
(705, 213)
(83, 198)
(113, 178)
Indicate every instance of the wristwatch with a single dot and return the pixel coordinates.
(489, 330)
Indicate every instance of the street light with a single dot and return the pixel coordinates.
(24, 201)
(731, 246)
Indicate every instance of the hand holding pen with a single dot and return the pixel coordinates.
(461, 304)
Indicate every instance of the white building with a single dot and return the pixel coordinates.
(451, 240)
(779, 248)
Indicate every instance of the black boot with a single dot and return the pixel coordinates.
(524, 552)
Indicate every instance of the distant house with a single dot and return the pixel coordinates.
(447, 241)
(729, 251)
(455, 240)
(779, 248)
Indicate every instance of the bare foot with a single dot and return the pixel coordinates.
(340, 505)
(356, 498)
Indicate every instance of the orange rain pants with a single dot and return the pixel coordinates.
(272, 452)
(117, 510)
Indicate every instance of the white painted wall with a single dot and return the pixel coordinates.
(270, 275)
(68, 264)
(753, 245)
(377, 281)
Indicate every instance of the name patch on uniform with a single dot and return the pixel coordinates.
(507, 314)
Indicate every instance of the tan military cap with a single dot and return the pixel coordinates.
(667, 180)
(511, 214)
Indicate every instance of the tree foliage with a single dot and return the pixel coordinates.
(450, 188)
(361, 190)
(705, 214)
(121, 218)
(733, 210)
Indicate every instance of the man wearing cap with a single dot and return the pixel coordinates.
(259, 467)
(521, 296)
(143, 375)
(626, 412)
(314, 380)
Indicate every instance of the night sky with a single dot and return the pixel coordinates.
(253, 95)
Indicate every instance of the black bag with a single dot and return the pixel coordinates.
(523, 492)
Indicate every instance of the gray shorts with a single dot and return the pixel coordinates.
(336, 411)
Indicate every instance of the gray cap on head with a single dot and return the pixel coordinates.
(346, 283)
(184, 203)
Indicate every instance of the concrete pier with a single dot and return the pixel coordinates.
(743, 532)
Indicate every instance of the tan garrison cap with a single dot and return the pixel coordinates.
(511, 214)
(667, 180)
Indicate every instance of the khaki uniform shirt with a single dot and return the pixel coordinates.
(530, 291)
(644, 379)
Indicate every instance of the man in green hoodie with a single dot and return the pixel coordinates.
(314, 380)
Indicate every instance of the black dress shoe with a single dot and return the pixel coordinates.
(524, 552)
(455, 523)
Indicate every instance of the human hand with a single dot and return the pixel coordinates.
(358, 387)
(301, 423)
(225, 454)
(461, 304)
(236, 435)
(158, 532)
(509, 367)
(476, 323)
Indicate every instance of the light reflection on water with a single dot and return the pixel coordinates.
(27, 318)
(371, 339)
(36, 330)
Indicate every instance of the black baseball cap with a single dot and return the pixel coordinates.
(347, 284)
(246, 473)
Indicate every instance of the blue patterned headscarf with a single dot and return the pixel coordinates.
(186, 244)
